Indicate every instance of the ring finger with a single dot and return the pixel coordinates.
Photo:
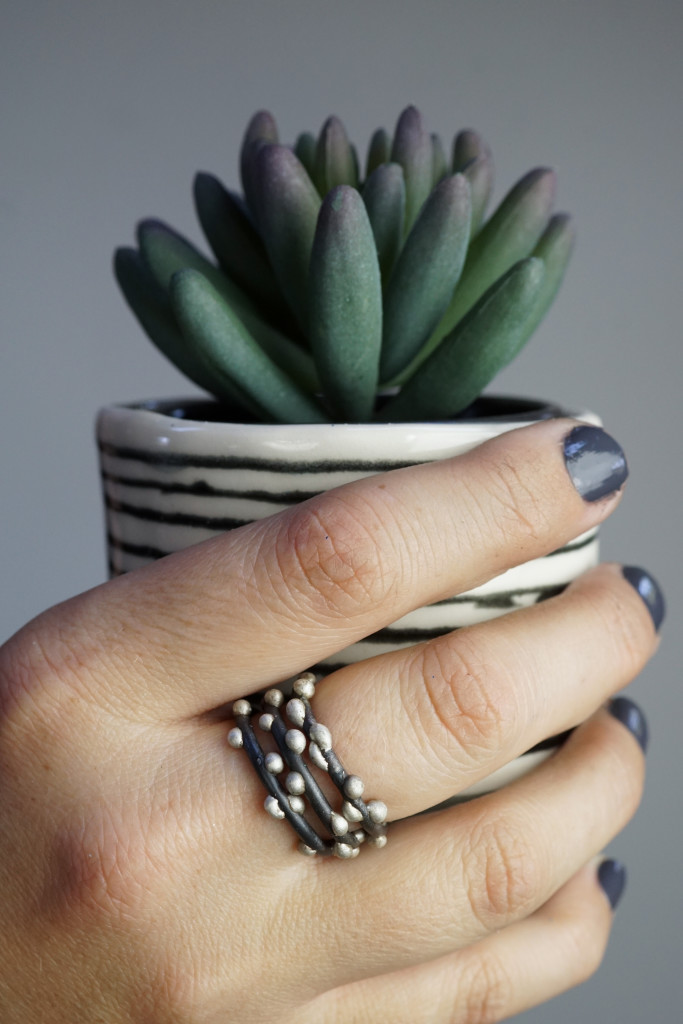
(422, 725)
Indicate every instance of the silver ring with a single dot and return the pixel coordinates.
(302, 745)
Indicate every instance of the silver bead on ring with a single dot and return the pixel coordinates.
(302, 745)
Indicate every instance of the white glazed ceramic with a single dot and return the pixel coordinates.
(173, 477)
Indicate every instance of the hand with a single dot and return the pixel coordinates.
(141, 880)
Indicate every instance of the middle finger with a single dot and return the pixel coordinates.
(461, 706)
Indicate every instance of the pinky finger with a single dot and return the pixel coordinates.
(559, 946)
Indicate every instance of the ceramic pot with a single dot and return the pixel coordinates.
(174, 473)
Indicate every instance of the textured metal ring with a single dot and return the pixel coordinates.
(303, 745)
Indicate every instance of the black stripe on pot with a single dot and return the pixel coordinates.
(496, 600)
(575, 545)
(162, 458)
(419, 634)
(218, 523)
(508, 599)
(139, 550)
(223, 523)
(201, 489)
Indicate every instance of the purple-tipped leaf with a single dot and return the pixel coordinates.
(384, 195)
(287, 205)
(473, 157)
(412, 149)
(346, 305)
(439, 161)
(425, 274)
(379, 150)
(468, 145)
(334, 162)
(235, 242)
(470, 356)
(305, 147)
(261, 130)
(508, 236)
(555, 248)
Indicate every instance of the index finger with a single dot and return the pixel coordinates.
(262, 602)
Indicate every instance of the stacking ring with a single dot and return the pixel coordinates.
(301, 745)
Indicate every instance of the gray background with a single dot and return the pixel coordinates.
(107, 111)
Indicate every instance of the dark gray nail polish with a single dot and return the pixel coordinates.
(649, 590)
(612, 879)
(595, 462)
(630, 715)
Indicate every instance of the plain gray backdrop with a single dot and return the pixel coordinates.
(108, 109)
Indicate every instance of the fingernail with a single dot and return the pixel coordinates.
(630, 715)
(612, 879)
(595, 462)
(649, 590)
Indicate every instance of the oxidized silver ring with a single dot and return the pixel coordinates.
(287, 773)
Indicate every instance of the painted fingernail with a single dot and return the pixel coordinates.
(612, 879)
(595, 462)
(630, 715)
(649, 590)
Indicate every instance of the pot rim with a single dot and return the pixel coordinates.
(163, 426)
(196, 410)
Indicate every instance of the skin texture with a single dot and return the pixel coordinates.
(141, 880)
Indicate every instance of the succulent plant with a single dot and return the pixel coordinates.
(328, 286)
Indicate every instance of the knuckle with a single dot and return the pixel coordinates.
(332, 555)
(502, 872)
(486, 990)
(44, 655)
(100, 869)
(33, 667)
(465, 707)
(45, 672)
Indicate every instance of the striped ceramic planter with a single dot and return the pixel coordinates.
(173, 475)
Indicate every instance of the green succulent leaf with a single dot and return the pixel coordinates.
(164, 252)
(235, 242)
(439, 160)
(379, 151)
(384, 195)
(473, 157)
(287, 206)
(412, 149)
(318, 290)
(261, 131)
(220, 341)
(467, 146)
(507, 237)
(304, 149)
(483, 343)
(555, 248)
(425, 274)
(150, 304)
(479, 173)
(334, 162)
(356, 166)
(346, 305)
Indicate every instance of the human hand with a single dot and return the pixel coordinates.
(141, 880)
